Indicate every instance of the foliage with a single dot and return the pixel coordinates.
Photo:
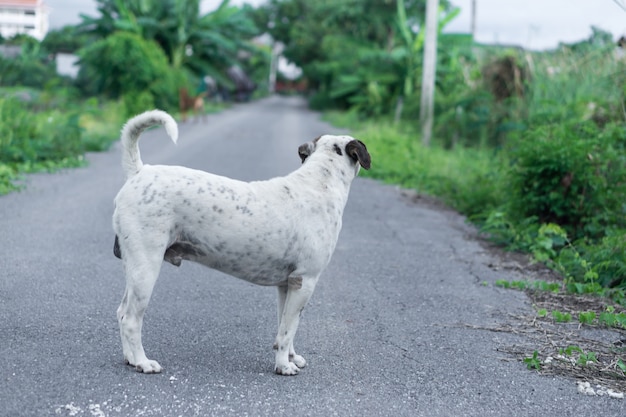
(201, 44)
(533, 362)
(101, 122)
(606, 257)
(105, 69)
(41, 136)
(27, 137)
(555, 189)
(325, 38)
(31, 67)
(467, 179)
(561, 317)
(66, 39)
(584, 358)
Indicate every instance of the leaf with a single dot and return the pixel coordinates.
(533, 362)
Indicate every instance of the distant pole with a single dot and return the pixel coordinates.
(273, 69)
(277, 51)
(473, 26)
(427, 107)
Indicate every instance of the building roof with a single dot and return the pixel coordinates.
(20, 3)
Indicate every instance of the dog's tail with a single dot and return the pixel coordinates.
(131, 158)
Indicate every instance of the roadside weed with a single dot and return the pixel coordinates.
(539, 285)
(584, 358)
(586, 317)
(561, 317)
(533, 362)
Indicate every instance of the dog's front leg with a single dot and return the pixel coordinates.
(291, 301)
(282, 297)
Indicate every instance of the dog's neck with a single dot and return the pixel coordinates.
(328, 175)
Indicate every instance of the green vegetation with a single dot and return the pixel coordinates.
(133, 56)
(533, 362)
(529, 145)
(584, 358)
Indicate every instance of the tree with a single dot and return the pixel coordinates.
(202, 44)
(313, 31)
(354, 53)
(124, 65)
(31, 67)
(67, 40)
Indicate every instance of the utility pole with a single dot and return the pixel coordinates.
(427, 104)
(277, 50)
(473, 26)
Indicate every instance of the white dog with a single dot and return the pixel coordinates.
(280, 232)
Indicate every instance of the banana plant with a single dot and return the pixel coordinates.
(202, 44)
(409, 51)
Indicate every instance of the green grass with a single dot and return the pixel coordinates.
(464, 178)
(46, 140)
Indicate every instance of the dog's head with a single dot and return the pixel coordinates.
(344, 148)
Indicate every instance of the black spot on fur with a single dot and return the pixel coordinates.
(338, 150)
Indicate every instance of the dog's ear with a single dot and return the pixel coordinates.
(358, 152)
(305, 150)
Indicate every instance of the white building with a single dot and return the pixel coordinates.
(23, 16)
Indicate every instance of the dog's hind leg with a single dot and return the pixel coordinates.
(298, 292)
(142, 269)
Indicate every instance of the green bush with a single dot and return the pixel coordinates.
(605, 259)
(101, 122)
(26, 72)
(29, 137)
(569, 174)
(125, 64)
(137, 102)
(32, 67)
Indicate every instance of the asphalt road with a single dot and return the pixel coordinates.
(382, 334)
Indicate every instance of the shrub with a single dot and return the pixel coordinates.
(606, 259)
(28, 137)
(126, 64)
(32, 67)
(569, 174)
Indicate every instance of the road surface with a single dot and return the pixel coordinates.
(383, 335)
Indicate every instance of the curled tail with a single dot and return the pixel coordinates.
(131, 158)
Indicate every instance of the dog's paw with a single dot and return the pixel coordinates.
(148, 367)
(289, 369)
(297, 360)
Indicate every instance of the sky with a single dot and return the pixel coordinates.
(533, 24)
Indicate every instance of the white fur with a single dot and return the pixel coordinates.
(281, 232)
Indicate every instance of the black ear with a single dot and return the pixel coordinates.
(358, 152)
(305, 150)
